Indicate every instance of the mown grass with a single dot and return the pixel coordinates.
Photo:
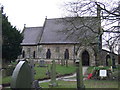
(41, 72)
(60, 70)
(6, 79)
(87, 83)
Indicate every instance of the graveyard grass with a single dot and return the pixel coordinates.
(60, 70)
(87, 83)
(41, 72)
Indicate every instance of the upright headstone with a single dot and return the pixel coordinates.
(22, 76)
(66, 62)
(36, 85)
(32, 68)
(79, 75)
(53, 82)
(62, 62)
(42, 63)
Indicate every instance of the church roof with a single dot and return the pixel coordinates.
(60, 31)
(31, 35)
(53, 32)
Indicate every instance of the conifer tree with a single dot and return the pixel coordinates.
(11, 39)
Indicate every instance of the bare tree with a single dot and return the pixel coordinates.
(108, 19)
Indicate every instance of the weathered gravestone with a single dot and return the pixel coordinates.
(32, 68)
(22, 76)
(53, 82)
(42, 63)
(35, 83)
(79, 75)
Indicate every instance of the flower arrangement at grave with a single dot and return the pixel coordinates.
(95, 73)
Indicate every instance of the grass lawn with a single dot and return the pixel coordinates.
(6, 79)
(60, 70)
(87, 83)
(41, 72)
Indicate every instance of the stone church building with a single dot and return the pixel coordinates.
(65, 38)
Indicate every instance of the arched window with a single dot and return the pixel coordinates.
(23, 54)
(66, 54)
(34, 54)
(48, 54)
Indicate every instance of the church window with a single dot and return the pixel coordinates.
(66, 54)
(34, 54)
(57, 49)
(48, 54)
(23, 54)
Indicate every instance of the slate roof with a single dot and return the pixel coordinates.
(31, 35)
(59, 31)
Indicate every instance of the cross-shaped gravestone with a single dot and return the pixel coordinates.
(22, 76)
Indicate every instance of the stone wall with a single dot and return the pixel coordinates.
(29, 51)
(90, 52)
(57, 53)
(105, 54)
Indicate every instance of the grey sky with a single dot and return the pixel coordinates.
(31, 12)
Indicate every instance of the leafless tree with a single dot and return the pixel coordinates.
(108, 14)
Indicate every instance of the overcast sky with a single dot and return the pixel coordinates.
(31, 12)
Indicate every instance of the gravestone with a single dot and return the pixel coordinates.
(32, 68)
(22, 76)
(36, 85)
(66, 62)
(62, 62)
(79, 75)
(53, 82)
(42, 63)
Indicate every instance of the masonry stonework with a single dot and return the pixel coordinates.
(51, 41)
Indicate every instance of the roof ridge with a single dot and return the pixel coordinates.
(35, 27)
(72, 17)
